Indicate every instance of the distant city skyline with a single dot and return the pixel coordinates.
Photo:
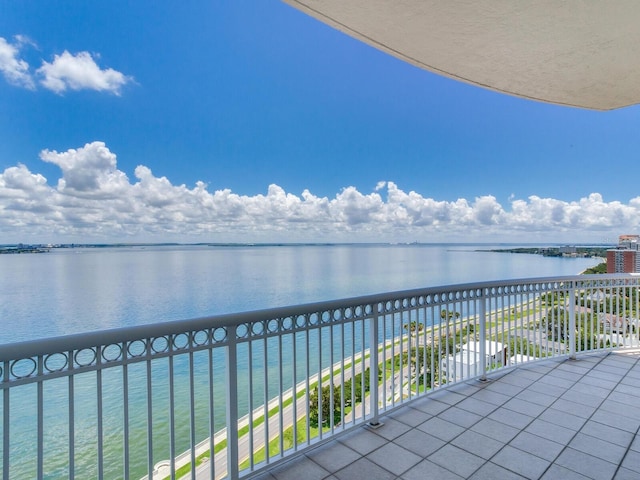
(251, 122)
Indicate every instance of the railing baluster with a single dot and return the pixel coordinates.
(99, 413)
(212, 426)
(451, 372)
(125, 406)
(353, 372)
(40, 420)
(149, 412)
(331, 382)
(280, 391)
(386, 320)
(6, 415)
(232, 406)
(363, 349)
(172, 416)
(265, 397)
(342, 394)
(396, 333)
(572, 321)
(250, 408)
(320, 415)
(294, 383)
(410, 358)
(404, 371)
(373, 368)
(382, 358)
(71, 391)
(307, 385)
(435, 362)
(192, 410)
(483, 333)
(512, 314)
(422, 337)
(636, 318)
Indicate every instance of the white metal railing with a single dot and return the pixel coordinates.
(234, 394)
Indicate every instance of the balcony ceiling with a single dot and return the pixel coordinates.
(575, 52)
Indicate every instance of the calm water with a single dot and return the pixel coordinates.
(75, 290)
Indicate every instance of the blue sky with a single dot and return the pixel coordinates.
(249, 121)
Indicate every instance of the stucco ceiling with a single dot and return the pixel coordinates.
(572, 52)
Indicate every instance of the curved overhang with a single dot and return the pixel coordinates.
(573, 52)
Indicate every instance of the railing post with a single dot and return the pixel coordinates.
(482, 314)
(6, 418)
(373, 369)
(232, 405)
(572, 321)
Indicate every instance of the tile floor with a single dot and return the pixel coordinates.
(561, 419)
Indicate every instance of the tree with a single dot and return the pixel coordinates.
(314, 417)
(556, 324)
(354, 386)
(414, 327)
(449, 314)
(600, 268)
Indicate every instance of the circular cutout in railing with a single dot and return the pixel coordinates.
(220, 334)
(200, 338)
(112, 353)
(137, 348)
(273, 326)
(160, 345)
(181, 341)
(56, 362)
(23, 368)
(85, 357)
(287, 324)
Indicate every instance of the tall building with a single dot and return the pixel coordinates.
(626, 257)
(631, 242)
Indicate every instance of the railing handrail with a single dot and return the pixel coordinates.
(79, 341)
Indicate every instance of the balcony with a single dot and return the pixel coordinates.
(526, 378)
(555, 419)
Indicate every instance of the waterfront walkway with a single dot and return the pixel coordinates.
(558, 419)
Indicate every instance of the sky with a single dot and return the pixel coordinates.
(248, 121)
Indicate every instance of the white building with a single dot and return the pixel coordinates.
(467, 362)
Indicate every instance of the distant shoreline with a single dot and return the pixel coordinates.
(513, 247)
(21, 249)
(569, 252)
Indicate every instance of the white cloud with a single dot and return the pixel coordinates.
(88, 172)
(94, 199)
(80, 72)
(15, 70)
(66, 72)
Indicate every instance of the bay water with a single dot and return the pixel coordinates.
(75, 290)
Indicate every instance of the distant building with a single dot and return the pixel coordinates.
(626, 257)
(630, 242)
(568, 250)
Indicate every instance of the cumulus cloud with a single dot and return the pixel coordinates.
(93, 198)
(67, 71)
(88, 172)
(14, 69)
(80, 72)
